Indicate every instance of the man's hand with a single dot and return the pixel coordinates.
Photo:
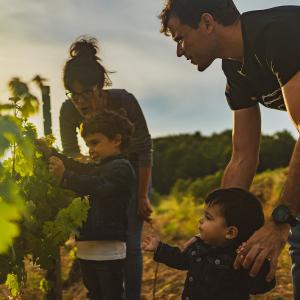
(265, 243)
(144, 209)
(150, 243)
(56, 167)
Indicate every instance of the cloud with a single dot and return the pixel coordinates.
(35, 36)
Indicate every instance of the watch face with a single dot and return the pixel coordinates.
(281, 214)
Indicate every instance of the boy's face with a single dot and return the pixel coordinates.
(212, 227)
(100, 146)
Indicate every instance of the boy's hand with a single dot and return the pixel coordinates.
(150, 243)
(56, 167)
(43, 147)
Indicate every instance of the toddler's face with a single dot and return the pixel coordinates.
(212, 226)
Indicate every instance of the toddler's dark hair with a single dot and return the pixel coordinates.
(110, 123)
(240, 208)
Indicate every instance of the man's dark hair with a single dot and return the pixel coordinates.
(110, 123)
(240, 208)
(189, 12)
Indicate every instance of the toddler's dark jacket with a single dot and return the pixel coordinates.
(210, 273)
(110, 187)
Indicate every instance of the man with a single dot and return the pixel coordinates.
(261, 60)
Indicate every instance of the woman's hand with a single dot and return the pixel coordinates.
(145, 209)
(56, 167)
(150, 243)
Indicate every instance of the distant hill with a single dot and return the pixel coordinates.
(191, 156)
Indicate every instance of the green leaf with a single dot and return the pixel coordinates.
(12, 284)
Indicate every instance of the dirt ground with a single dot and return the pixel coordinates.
(168, 285)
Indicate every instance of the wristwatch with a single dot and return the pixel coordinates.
(282, 215)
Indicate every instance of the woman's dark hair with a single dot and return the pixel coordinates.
(240, 208)
(110, 123)
(189, 12)
(84, 65)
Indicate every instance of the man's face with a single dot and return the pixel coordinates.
(197, 45)
(212, 226)
(100, 146)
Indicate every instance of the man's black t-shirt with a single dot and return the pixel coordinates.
(271, 58)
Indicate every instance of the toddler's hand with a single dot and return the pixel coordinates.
(150, 243)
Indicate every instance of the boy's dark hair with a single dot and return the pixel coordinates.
(189, 12)
(110, 123)
(84, 65)
(240, 208)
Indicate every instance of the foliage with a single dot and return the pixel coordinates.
(191, 156)
(198, 188)
(52, 216)
(32, 204)
(267, 186)
(28, 103)
(185, 204)
(13, 284)
(276, 150)
(173, 213)
(11, 201)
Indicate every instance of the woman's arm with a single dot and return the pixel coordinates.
(142, 146)
(69, 121)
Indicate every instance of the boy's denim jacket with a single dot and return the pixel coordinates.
(110, 186)
(210, 273)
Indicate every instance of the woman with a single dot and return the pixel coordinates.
(84, 79)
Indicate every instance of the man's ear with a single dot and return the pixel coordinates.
(208, 21)
(231, 232)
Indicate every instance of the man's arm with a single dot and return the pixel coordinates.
(269, 240)
(291, 193)
(245, 153)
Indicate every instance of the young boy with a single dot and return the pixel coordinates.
(110, 185)
(230, 217)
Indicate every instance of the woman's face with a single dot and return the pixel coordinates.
(87, 100)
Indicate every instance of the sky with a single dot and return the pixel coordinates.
(35, 36)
